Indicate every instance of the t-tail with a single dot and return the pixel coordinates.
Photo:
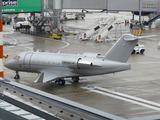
(123, 48)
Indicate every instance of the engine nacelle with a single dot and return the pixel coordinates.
(76, 63)
(84, 64)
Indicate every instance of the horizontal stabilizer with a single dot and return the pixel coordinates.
(140, 37)
(132, 37)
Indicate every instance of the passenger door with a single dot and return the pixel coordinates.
(27, 60)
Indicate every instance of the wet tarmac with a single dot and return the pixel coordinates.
(143, 80)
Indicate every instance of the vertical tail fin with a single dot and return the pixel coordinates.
(122, 49)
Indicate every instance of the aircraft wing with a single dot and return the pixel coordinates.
(46, 76)
(50, 74)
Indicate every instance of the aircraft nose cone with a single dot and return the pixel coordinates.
(7, 64)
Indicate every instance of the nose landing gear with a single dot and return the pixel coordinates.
(17, 76)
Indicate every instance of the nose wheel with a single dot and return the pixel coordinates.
(17, 76)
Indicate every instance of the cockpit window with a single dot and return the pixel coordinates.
(17, 58)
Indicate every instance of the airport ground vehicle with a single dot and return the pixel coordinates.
(72, 16)
(138, 49)
(56, 36)
(80, 15)
(22, 25)
(19, 19)
(69, 16)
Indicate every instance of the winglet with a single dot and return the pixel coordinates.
(40, 79)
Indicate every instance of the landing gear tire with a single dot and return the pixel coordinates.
(133, 52)
(142, 51)
(16, 77)
(61, 82)
(75, 79)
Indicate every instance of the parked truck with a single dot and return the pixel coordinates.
(22, 25)
(80, 16)
(72, 16)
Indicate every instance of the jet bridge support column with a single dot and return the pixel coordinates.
(1, 43)
(56, 12)
(140, 12)
(133, 16)
(150, 24)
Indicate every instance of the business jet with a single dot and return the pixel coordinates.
(58, 66)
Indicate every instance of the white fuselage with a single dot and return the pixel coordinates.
(67, 65)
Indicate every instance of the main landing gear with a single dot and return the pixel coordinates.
(75, 79)
(17, 76)
(60, 81)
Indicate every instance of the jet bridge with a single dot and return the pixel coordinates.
(113, 5)
(55, 7)
(138, 7)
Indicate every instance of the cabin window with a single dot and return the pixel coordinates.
(17, 58)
